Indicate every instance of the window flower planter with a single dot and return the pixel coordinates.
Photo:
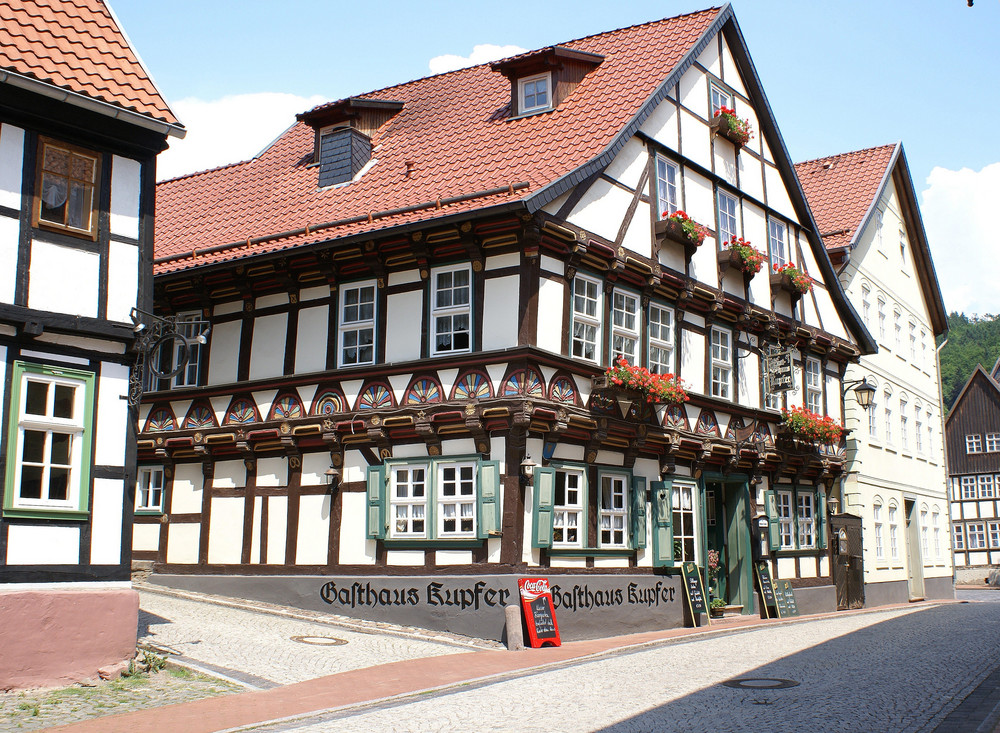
(682, 229)
(739, 254)
(726, 124)
(789, 277)
(640, 384)
(805, 426)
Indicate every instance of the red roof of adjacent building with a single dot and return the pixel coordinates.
(454, 135)
(841, 189)
(78, 45)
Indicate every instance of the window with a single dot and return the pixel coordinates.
(879, 543)
(893, 532)
(778, 242)
(814, 386)
(683, 522)
(625, 326)
(456, 499)
(613, 515)
(873, 420)
(959, 537)
(568, 527)
(795, 521)
(977, 535)
(930, 436)
(48, 436)
(918, 430)
(660, 359)
(897, 330)
(924, 534)
(586, 318)
(191, 326)
(149, 489)
(994, 534)
(985, 482)
(923, 348)
(451, 311)
(806, 520)
(903, 428)
(667, 181)
(785, 520)
(968, 487)
(357, 324)
(973, 444)
(913, 342)
(408, 502)
(935, 520)
(728, 227)
(866, 305)
(66, 188)
(881, 318)
(722, 363)
(533, 93)
(902, 244)
(720, 98)
(888, 418)
(992, 442)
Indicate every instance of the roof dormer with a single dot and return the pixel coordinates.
(344, 130)
(541, 80)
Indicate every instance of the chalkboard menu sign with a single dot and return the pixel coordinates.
(694, 590)
(785, 594)
(766, 588)
(536, 602)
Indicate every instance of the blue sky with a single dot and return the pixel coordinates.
(839, 76)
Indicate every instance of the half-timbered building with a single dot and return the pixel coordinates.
(895, 501)
(414, 296)
(80, 126)
(972, 434)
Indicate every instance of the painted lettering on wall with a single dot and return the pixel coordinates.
(469, 598)
(580, 597)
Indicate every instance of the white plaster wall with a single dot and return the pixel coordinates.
(267, 351)
(9, 232)
(272, 471)
(777, 194)
(311, 339)
(404, 314)
(225, 353)
(255, 529)
(694, 91)
(183, 541)
(112, 415)
(500, 322)
(709, 58)
(108, 497)
(225, 534)
(320, 291)
(692, 369)
(638, 234)
(229, 475)
(277, 525)
(52, 267)
(550, 314)
(630, 162)
(314, 530)
(268, 301)
(403, 278)
(123, 280)
(126, 182)
(601, 209)
(696, 139)
(452, 557)
(224, 309)
(661, 125)
(497, 262)
(33, 544)
(263, 400)
(355, 549)
(314, 466)
(751, 177)
(551, 264)
(408, 558)
(145, 537)
(11, 160)
(186, 494)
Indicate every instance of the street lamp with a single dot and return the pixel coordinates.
(332, 479)
(864, 392)
(528, 470)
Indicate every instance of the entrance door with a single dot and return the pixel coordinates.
(847, 561)
(730, 537)
(914, 559)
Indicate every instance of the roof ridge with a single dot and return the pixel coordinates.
(848, 153)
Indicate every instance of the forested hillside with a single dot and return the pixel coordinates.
(972, 340)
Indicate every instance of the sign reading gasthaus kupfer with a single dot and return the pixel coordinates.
(778, 371)
(536, 601)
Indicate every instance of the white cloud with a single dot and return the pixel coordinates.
(229, 129)
(481, 53)
(959, 212)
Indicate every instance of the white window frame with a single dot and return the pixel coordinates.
(805, 519)
(973, 443)
(721, 363)
(777, 240)
(893, 532)
(149, 489)
(668, 177)
(684, 500)
(992, 442)
(936, 521)
(408, 509)
(866, 305)
(984, 486)
(913, 342)
(452, 311)
(873, 420)
(969, 487)
(904, 441)
(190, 325)
(918, 430)
(880, 305)
(522, 93)
(459, 507)
(814, 385)
(887, 411)
(959, 537)
(993, 529)
(719, 97)
(569, 515)
(586, 327)
(897, 331)
(613, 507)
(976, 536)
(786, 521)
(625, 320)
(877, 524)
(660, 334)
(352, 323)
(925, 542)
(729, 221)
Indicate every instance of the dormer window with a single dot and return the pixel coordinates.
(533, 93)
(720, 98)
(541, 80)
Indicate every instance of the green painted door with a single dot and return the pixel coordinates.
(739, 562)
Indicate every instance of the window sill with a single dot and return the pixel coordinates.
(431, 544)
(589, 552)
(40, 513)
(149, 512)
(799, 551)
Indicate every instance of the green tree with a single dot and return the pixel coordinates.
(972, 340)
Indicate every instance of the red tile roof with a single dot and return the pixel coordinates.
(456, 130)
(77, 45)
(841, 189)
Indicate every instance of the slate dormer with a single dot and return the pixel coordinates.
(344, 131)
(541, 80)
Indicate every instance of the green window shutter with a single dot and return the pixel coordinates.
(376, 502)
(821, 519)
(773, 529)
(489, 498)
(663, 528)
(545, 489)
(638, 512)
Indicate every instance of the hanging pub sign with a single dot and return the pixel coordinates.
(778, 371)
(536, 602)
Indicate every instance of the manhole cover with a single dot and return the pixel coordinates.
(760, 683)
(319, 640)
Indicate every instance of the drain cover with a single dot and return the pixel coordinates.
(319, 640)
(760, 683)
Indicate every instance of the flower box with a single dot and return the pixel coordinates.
(803, 425)
(680, 228)
(740, 255)
(646, 386)
(726, 124)
(792, 280)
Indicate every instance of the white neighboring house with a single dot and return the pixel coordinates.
(81, 124)
(867, 212)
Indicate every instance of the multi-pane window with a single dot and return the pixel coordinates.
(190, 326)
(777, 237)
(930, 436)
(923, 348)
(913, 342)
(149, 489)
(408, 501)
(888, 417)
(661, 340)
(879, 542)
(897, 330)
(568, 527)
(625, 326)
(66, 195)
(586, 318)
(968, 487)
(994, 534)
(357, 324)
(985, 482)
(976, 535)
(881, 318)
(935, 520)
(683, 522)
(992, 442)
(720, 98)
(722, 363)
(893, 532)
(806, 518)
(903, 427)
(785, 520)
(918, 430)
(456, 499)
(534, 93)
(668, 177)
(814, 385)
(451, 310)
(924, 534)
(866, 304)
(613, 515)
(873, 420)
(902, 244)
(973, 444)
(959, 537)
(728, 227)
